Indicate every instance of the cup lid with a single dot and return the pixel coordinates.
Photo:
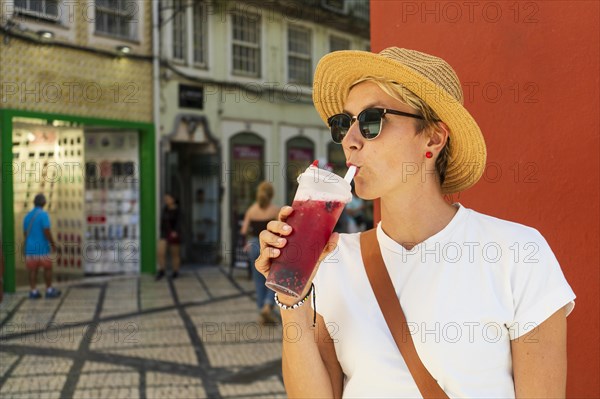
(322, 185)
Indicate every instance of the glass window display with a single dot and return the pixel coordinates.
(91, 181)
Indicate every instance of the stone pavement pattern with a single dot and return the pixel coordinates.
(130, 337)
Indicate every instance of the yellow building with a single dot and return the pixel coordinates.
(76, 122)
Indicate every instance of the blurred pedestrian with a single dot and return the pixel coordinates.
(355, 210)
(170, 236)
(256, 218)
(37, 247)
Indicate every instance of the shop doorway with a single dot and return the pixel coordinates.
(42, 161)
(192, 176)
(300, 153)
(246, 171)
(90, 176)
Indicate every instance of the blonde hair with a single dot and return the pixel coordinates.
(430, 118)
(264, 194)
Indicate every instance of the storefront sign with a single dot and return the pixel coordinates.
(248, 152)
(191, 97)
(301, 154)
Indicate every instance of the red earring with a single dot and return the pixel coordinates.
(429, 154)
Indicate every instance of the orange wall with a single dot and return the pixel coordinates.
(530, 74)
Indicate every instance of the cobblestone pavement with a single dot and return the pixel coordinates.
(130, 337)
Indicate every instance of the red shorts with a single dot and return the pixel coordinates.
(35, 261)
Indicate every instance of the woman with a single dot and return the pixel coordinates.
(256, 218)
(170, 236)
(485, 299)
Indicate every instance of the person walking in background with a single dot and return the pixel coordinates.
(355, 210)
(38, 245)
(256, 218)
(170, 236)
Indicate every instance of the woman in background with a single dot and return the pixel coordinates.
(261, 212)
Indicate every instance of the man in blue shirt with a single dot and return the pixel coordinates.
(38, 245)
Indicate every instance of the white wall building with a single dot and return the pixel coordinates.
(235, 104)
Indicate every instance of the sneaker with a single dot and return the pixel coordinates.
(160, 274)
(52, 293)
(35, 294)
(175, 274)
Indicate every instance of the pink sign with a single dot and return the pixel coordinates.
(301, 154)
(251, 152)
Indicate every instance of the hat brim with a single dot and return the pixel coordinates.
(337, 72)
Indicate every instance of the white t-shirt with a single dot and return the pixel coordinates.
(466, 292)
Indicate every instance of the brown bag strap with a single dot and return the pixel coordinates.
(30, 225)
(394, 316)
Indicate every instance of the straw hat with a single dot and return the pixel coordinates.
(430, 78)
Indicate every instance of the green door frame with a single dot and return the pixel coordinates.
(147, 185)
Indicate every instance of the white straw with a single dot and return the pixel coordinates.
(350, 173)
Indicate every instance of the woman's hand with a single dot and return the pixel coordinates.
(273, 240)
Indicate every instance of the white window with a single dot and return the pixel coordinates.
(200, 29)
(359, 9)
(39, 9)
(334, 5)
(299, 55)
(337, 43)
(246, 44)
(179, 30)
(117, 18)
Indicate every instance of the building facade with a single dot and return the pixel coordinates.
(236, 106)
(76, 122)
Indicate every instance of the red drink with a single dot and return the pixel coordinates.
(312, 224)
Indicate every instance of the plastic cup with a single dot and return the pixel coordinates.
(318, 204)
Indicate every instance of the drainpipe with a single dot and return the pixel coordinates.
(156, 103)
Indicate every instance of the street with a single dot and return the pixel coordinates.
(197, 336)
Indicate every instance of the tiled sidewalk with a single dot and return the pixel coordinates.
(130, 337)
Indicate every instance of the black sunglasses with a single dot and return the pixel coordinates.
(369, 123)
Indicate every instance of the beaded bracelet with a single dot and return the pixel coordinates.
(298, 304)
